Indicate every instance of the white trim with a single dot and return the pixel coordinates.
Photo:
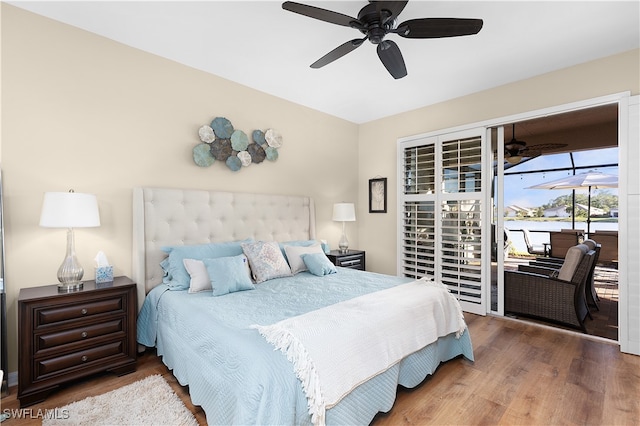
(629, 226)
(487, 176)
(499, 223)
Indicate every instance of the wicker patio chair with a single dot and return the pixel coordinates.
(546, 266)
(558, 299)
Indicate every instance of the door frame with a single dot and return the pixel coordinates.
(622, 99)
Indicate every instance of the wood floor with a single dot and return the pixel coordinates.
(523, 373)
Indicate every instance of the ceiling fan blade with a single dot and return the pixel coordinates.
(546, 146)
(391, 58)
(338, 52)
(319, 13)
(529, 153)
(395, 7)
(438, 27)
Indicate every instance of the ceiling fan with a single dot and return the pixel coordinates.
(514, 150)
(375, 21)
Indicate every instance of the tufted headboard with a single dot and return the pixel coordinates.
(163, 217)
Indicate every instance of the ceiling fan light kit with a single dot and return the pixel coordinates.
(514, 159)
(375, 21)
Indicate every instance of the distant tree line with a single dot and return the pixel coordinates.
(601, 199)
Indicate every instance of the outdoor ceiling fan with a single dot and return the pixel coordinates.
(375, 21)
(514, 150)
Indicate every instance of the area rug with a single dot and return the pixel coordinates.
(149, 401)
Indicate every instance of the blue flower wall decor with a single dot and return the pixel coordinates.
(221, 142)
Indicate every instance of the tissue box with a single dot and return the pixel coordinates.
(104, 274)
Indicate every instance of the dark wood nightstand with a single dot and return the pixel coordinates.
(66, 336)
(354, 259)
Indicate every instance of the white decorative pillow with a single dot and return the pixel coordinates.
(294, 255)
(199, 276)
(266, 260)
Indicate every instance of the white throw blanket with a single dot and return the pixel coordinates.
(337, 348)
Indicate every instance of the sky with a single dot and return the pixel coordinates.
(515, 185)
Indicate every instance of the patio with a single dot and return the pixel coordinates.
(605, 320)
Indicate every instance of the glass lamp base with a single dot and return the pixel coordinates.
(343, 244)
(68, 287)
(70, 272)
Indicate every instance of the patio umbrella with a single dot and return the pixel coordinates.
(595, 180)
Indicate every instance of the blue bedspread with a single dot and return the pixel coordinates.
(238, 378)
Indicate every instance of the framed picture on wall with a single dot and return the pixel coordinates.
(378, 195)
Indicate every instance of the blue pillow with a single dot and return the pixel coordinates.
(318, 264)
(177, 277)
(165, 270)
(228, 274)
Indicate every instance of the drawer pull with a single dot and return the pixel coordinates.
(84, 334)
(84, 358)
(84, 311)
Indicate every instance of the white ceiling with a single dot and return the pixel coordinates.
(258, 44)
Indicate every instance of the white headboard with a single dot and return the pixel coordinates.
(163, 217)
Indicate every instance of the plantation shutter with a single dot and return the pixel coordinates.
(441, 207)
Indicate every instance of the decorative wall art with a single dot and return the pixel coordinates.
(378, 195)
(221, 142)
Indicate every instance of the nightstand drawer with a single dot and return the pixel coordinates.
(79, 334)
(354, 259)
(349, 261)
(90, 356)
(47, 316)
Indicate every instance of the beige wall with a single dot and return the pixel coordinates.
(83, 112)
(378, 139)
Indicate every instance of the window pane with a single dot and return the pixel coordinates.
(419, 235)
(419, 170)
(461, 161)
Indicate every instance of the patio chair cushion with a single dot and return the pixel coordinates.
(590, 243)
(571, 261)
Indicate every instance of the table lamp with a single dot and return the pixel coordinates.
(344, 212)
(69, 210)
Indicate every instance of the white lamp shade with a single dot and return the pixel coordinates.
(69, 210)
(344, 212)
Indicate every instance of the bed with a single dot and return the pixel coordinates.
(249, 356)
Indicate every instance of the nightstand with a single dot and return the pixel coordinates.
(354, 259)
(65, 336)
